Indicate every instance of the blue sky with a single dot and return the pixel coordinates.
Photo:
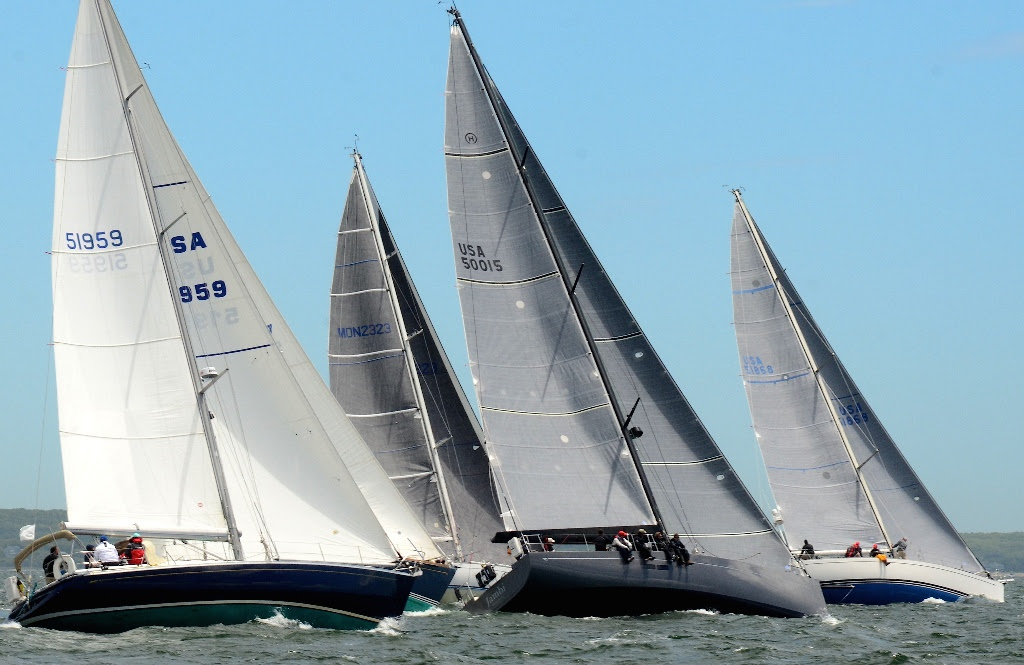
(879, 145)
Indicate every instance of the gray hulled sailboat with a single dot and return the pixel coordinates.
(836, 474)
(392, 376)
(567, 382)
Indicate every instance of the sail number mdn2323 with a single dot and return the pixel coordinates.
(473, 258)
(365, 330)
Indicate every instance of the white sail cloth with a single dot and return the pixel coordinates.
(135, 237)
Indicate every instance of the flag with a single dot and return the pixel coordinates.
(27, 533)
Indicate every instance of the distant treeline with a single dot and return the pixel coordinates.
(997, 551)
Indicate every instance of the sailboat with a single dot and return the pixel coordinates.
(836, 473)
(391, 374)
(586, 428)
(188, 412)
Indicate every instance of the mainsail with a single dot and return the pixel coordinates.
(181, 414)
(836, 474)
(390, 373)
(554, 377)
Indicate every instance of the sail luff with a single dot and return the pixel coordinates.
(774, 272)
(107, 16)
(570, 288)
(410, 363)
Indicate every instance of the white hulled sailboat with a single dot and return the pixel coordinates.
(836, 474)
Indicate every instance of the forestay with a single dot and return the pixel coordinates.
(133, 442)
(815, 428)
(380, 342)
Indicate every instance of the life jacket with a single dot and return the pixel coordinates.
(136, 552)
(851, 551)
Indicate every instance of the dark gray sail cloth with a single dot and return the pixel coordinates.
(812, 474)
(370, 378)
(561, 453)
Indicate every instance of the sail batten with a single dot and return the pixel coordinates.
(836, 473)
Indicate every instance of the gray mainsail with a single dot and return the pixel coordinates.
(546, 409)
(836, 473)
(390, 373)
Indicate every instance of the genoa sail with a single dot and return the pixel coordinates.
(390, 373)
(835, 471)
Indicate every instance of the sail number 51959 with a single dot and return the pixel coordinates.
(98, 240)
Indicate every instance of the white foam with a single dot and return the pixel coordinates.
(429, 612)
(10, 625)
(709, 613)
(933, 601)
(830, 620)
(281, 621)
(389, 626)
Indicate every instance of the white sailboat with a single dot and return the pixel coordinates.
(188, 412)
(390, 373)
(836, 474)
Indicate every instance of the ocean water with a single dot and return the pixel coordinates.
(955, 633)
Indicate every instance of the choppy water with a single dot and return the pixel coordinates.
(934, 633)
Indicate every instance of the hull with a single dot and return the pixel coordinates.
(430, 587)
(583, 584)
(868, 581)
(118, 599)
(465, 586)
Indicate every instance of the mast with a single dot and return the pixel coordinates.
(234, 536)
(410, 361)
(520, 162)
(759, 241)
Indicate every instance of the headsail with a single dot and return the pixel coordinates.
(415, 418)
(490, 165)
(145, 273)
(835, 471)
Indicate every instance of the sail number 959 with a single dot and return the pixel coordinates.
(98, 240)
(202, 292)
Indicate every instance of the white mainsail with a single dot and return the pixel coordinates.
(145, 275)
(835, 472)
